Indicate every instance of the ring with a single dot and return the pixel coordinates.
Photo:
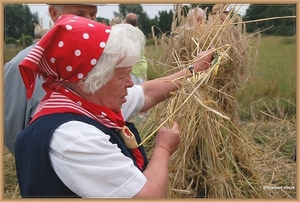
(191, 68)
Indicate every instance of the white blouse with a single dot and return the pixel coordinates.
(89, 164)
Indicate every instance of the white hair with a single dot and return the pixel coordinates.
(122, 50)
(58, 7)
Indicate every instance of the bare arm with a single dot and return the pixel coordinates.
(157, 171)
(159, 89)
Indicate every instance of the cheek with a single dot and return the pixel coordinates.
(116, 86)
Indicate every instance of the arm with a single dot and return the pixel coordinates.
(17, 109)
(157, 171)
(159, 89)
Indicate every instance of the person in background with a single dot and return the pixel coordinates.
(115, 20)
(39, 32)
(78, 143)
(219, 11)
(18, 110)
(139, 71)
(195, 16)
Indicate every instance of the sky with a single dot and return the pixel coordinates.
(107, 10)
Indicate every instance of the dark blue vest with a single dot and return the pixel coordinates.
(36, 176)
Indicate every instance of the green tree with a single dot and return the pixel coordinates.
(103, 20)
(26, 40)
(283, 27)
(144, 21)
(11, 40)
(19, 20)
(163, 21)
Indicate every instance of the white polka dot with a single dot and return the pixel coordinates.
(77, 52)
(69, 27)
(102, 44)
(75, 17)
(72, 20)
(80, 75)
(90, 25)
(66, 90)
(52, 60)
(103, 114)
(79, 103)
(93, 61)
(69, 68)
(107, 30)
(60, 44)
(86, 36)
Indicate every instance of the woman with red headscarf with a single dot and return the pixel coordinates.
(78, 143)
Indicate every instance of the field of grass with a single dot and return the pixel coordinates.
(267, 104)
(272, 86)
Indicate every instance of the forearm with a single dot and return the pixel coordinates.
(157, 174)
(159, 89)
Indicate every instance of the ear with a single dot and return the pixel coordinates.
(80, 84)
(54, 14)
(77, 86)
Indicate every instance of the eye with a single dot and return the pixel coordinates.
(93, 16)
(80, 14)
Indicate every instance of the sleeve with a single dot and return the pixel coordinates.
(17, 109)
(140, 69)
(135, 102)
(90, 165)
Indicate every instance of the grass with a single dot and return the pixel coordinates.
(272, 86)
(267, 106)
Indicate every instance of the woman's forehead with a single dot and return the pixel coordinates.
(81, 8)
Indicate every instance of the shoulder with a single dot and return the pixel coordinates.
(13, 64)
(77, 133)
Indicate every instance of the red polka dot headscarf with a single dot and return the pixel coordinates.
(67, 53)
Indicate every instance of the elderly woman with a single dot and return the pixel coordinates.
(78, 144)
(195, 16)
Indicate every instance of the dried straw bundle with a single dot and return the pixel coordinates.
(213, 158)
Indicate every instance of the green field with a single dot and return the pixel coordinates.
(267, 103)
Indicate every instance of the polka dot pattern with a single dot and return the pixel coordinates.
(60, 44)
(69, 27)
(77, 52)
(86, 36)
(67, 52)
(69, 68)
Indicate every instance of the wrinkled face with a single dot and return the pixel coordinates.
(87, 11)
(112, 94)
(221, 16)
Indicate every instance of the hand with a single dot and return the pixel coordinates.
(168, 138)
(203, 60)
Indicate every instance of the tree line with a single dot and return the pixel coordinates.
(19, 21)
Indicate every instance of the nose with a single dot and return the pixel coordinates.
(90, 17)
(129, 82)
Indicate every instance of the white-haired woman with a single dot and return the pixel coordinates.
(78, 144)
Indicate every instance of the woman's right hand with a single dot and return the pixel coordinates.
(157, 170)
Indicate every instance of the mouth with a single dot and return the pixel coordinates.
(124, 99)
